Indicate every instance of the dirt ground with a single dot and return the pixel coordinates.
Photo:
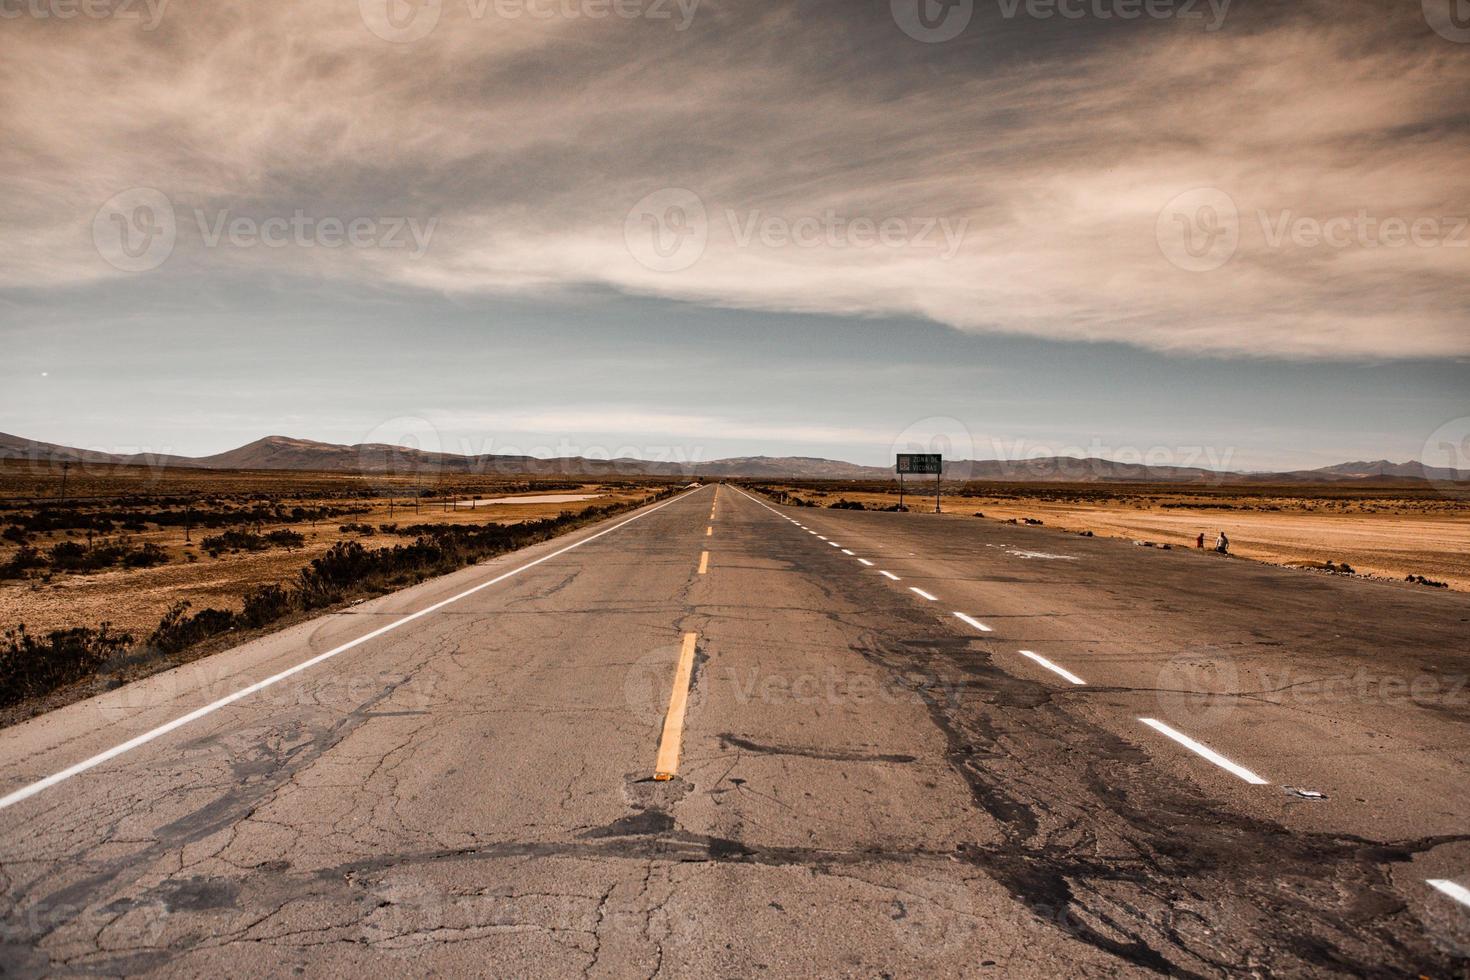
(1383, 531)
(133, 600)
(1387, 532)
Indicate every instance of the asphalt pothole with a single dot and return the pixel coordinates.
(642, 791)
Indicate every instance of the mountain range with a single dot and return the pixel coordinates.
(305, 455)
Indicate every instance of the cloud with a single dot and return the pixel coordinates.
(1017, 179)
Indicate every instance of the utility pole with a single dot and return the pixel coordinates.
(65, 465)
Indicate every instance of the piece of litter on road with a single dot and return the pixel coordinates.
(1305, 794)
(1019, 553)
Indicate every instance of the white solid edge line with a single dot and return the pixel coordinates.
(972, 621)
(1454, 890)
(1062, 671)
(866, 562)
(890, 575)
(25, 792)
(1204, 751)
(918, 591)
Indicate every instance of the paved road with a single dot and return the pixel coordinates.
(862, 780)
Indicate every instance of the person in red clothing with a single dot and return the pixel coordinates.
(1199, 542)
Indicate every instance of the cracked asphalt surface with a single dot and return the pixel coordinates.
(868, 786)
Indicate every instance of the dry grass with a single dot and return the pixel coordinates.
(133, 600)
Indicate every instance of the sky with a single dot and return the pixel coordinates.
(1198, 232)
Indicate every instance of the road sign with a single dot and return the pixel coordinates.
(920, 463)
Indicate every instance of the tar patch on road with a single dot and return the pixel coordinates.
(746, 745)
(1107, 848)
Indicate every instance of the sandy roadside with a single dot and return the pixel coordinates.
(1373, 541)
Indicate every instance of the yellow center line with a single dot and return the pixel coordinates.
(709, 532)
(673, 736)
(703, 562)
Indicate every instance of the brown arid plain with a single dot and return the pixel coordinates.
(133, 599)
(125, 546)
(136, 542)
(1388, 531)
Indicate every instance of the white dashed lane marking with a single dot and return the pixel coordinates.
(1449, 888)
(1205, 752)
(972, 621)
(1060, 671)
(1458, 892)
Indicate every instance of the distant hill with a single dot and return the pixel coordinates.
(302, 455)
(306, 455)
(1411, 470)
(285, 453)
(789, 468)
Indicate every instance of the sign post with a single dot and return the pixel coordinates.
(921, 463)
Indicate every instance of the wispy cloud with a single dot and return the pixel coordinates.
(807, 158)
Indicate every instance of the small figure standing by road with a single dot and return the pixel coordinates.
(1222, 544)
(1199, 542)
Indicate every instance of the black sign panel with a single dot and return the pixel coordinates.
(921, 463)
